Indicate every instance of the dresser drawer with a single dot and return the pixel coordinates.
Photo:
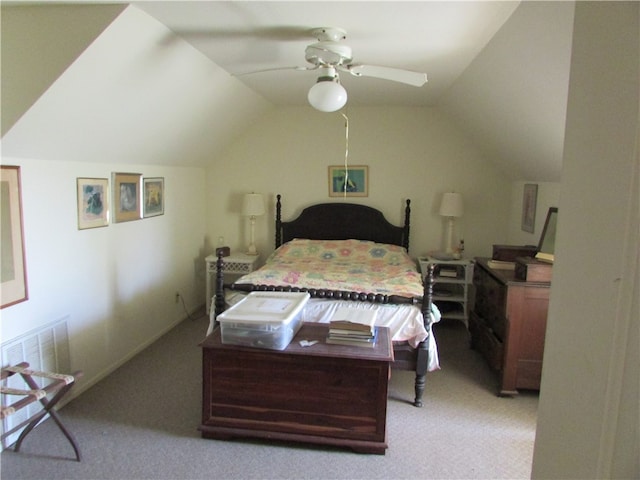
(486, 342)
(491, 299)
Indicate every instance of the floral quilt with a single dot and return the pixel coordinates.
(347, 265)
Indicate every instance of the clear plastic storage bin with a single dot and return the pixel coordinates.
(263, 319)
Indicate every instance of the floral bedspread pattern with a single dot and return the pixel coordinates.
(347, 265)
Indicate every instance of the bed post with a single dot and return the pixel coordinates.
(407, 215)
(278, 221)
(219, 303)
(422, 362)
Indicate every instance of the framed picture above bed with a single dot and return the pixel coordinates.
(352, 181)
(127, 198)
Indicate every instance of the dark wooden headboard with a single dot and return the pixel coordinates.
(342, 221)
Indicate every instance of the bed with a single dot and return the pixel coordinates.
(329, 250)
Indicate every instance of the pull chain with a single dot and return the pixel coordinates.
(346, 155)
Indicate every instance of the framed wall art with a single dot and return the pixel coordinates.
(352, 181)
(153, 194)
(93, 202)
(14, 271)
(127, 198)
(529, 200)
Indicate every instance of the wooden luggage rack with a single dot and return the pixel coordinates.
(59, 385)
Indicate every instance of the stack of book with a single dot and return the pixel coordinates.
(447, 271)
(352, 326)
(501, 265)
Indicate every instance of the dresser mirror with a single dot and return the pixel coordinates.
(547, 245)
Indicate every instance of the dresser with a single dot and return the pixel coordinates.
(508, 324)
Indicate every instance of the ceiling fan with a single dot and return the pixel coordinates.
(331, 56)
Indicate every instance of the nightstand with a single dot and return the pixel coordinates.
(451, 286)
(236, 264)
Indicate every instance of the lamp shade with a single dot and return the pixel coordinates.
(327, 95)
(451, 205)
(253, 205)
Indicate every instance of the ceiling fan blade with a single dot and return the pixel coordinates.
(417, 79)
(273, 33)
(275, 69)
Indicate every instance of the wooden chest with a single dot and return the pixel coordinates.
(326, 394)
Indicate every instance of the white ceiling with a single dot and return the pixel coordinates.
(438, 38)
(499, 69)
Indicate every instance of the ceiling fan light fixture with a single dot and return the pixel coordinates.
(327, 95)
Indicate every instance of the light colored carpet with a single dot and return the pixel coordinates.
(141, 423)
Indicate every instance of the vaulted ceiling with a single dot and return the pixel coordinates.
(438, 38)
(500, 69)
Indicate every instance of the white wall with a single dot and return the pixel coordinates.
(138, 94)
(512, 97)
(39, 42)
(116, 283)
(413, 153)
(588, 416)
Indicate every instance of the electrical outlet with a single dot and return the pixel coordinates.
(177, 297)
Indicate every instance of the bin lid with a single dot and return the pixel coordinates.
(266, 307)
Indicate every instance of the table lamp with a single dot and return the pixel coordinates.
(252, 207)
(451, 207)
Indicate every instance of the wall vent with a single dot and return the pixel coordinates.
(45, 348)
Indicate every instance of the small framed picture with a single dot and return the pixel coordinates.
(352, 181)
(93, 202)
(127, 198)
(529, 200)
(153, 194)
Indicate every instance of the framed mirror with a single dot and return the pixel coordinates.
(547, 245)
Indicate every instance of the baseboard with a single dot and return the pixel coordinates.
(77, 391)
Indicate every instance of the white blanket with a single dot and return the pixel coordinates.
(405, 322)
